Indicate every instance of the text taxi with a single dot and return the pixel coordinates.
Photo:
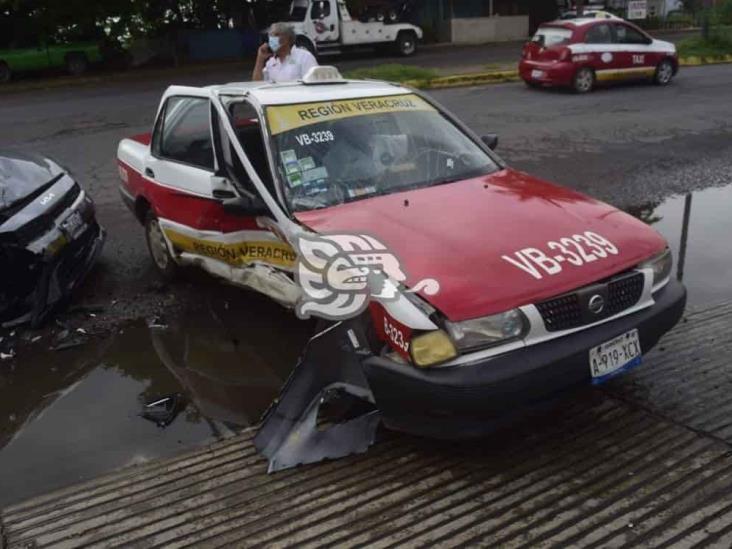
(582, 52)
(497, 288)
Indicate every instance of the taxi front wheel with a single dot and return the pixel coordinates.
(584, 80)
(664, 73)
(164, 263)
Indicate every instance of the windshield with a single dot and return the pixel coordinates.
(552, 36)
(334, 152)
(298, 10)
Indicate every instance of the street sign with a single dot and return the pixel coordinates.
(637, 9)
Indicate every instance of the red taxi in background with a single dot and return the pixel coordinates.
(582, 52)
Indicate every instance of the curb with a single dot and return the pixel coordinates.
(458, 80)
(498, 77)
(469, 79)
(698, 60)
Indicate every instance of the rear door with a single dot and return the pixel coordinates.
(637, 58)
(28, 53)
(599, 51)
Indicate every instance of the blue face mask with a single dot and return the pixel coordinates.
(274, 43)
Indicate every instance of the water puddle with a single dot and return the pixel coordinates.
(698, 227)
(70, 415)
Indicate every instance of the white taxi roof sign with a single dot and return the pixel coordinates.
(324, 74)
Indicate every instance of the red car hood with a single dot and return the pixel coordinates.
(458, 234)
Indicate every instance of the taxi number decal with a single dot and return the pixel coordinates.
(639, 59)
(395, 335)
(577, 250)
(315, 137)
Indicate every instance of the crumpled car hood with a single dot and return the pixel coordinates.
(461, 233)
(21, 174)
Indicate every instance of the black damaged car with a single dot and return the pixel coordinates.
(49, 237)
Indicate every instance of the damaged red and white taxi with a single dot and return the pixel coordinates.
(497, 289)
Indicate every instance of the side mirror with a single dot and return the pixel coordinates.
(246, 206)
(491, 140)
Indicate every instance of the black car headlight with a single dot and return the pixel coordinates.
(488, 330)
(660, 265)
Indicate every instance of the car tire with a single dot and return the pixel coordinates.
(664, 73)
(76, 63)
(5, 73)
(163, 261)
(584, 80)
(406, 43)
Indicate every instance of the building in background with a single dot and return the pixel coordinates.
(477, 21)
(654, 8)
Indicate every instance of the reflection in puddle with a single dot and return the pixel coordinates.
(698, 227)
(71, 415)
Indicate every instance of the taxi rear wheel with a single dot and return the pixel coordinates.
(164, 263)
(664, 73)
(584, 80)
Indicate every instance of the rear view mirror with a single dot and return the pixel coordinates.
(245, 206)
(491, 140)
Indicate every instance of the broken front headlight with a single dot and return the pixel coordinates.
(488, 330)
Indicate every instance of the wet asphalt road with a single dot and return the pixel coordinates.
(634, 146)
(631, 146)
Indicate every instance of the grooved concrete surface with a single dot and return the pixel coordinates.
(644, 461)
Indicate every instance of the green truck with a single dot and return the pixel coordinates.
(74, 57)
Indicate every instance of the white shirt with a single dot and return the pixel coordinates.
(294, 67)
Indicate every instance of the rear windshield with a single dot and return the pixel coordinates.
(552, 36)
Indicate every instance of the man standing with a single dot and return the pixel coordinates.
(279, 60)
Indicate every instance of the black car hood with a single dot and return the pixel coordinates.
(22, 174)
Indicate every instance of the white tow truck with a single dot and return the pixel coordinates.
(326, 26)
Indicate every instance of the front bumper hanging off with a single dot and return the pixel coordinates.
(464, 401)
(290, 433)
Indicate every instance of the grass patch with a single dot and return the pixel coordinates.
(719, 43)
(393, 73)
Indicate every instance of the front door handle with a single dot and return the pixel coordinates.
(149, 172)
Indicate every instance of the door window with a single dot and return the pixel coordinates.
(245, 120)
(184, 134)
(627, 35)
(599, 34)
(320, 10)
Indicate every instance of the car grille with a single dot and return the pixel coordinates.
(44, 222)
(571, 310)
